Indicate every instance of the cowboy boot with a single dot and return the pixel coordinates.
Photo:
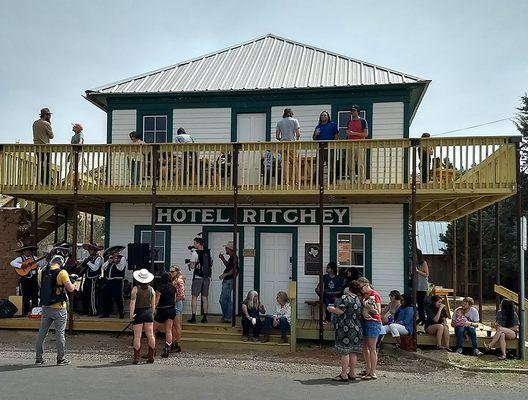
(150, 355)
(166, 350)
(136, 356)
(266, 339)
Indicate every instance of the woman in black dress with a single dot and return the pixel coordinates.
(165, 311)
(142, 313)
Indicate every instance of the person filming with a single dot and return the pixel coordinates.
(200, 263)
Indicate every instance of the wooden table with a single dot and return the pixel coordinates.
(443, 292)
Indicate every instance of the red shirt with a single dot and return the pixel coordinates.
(377, 299)
(356, 125)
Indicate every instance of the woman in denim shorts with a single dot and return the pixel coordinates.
(371, 327)
(178, 280)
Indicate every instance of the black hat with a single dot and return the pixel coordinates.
(27, 247)
(181, 131)
(354, 108)
(45, 111)
(112, 250)
(92, 246)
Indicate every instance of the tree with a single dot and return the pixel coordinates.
(521, 122)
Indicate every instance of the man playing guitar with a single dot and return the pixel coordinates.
(91, 290)
(26, 266)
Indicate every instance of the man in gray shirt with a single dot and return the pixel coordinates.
(288, 130)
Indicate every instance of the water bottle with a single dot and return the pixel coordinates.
(17, 291)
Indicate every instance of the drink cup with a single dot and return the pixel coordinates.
(488, 333)
(254, 321)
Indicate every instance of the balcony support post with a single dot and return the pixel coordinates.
(155, 160)
(454, 258)
(415, 143)
(35, 223)
(466, 256)
(322, 149)
(521, 242)
(497, 251)
(236, 150)
(56, 230)
(66, 216)
(91, 228)
(480, 267)
(75, 215)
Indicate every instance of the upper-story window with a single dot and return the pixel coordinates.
(343, 118)
(155, 128)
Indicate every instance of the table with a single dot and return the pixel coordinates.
(443, 292)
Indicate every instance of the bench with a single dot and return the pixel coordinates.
(314, 305)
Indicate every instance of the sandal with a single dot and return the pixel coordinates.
(502, 358)
(339, 378)
(364, 372)
(352, 377)
(368, 377)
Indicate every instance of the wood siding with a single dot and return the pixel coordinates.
(123, 122)
(205, 125)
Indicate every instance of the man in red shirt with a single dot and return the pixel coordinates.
(357, 130)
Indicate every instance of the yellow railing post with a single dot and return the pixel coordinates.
(293, 325)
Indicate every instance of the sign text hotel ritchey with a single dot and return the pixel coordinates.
(252, 215)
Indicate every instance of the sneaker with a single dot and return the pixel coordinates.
(40, 362)
(477, 352)
(204, 320)
(244, 338)
(64, 361)
(459, 350)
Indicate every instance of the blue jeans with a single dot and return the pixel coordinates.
(225, 298)
(460, 332)
(283, 323)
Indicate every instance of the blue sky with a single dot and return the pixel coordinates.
(472, 50)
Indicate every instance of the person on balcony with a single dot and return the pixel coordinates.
(288, 130)
(42, 134)
(326, 129)
(332, 288)
(78, 136)
(425, 154)
(136, 159)
(190, 158)
(357, 129)
(468, 327)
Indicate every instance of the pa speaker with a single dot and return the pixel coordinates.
(7, 309)
(138, 256)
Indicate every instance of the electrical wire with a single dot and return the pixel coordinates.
(474, 126)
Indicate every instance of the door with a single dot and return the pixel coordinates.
(275, 267)
(216, 242)
(250, 128)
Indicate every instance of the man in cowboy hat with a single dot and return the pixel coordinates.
(91, 290)
(114, 272)
(54, 282)
(28, 283)
(230, 271)
(42, 134)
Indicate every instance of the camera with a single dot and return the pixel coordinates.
(187, 260)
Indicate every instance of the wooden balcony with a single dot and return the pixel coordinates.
(455, 176)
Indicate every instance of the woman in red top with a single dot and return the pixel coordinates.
(371, 327)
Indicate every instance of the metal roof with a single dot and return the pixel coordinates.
(428, 237)
(268, 62)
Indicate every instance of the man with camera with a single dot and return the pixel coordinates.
(201, 265)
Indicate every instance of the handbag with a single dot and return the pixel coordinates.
(408, 343)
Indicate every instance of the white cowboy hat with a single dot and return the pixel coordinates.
(143, 276)
(230, 245)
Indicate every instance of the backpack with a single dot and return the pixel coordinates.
(206, 264)
(48, 287)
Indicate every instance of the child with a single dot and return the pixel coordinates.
(459, 317)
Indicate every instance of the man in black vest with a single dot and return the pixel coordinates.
(201, 278)
(93, 265)
(28, 283)
(114, 272)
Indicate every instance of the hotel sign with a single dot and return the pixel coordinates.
(285, 216)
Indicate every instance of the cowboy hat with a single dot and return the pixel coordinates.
(143, 276)
(45, 111)
(92, 246)
(230, 245)
(27, 247)
(112, 250)
(57, 260)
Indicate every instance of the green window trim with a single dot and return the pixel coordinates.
(240, 275)
(250, 110)
(167, 229)
(161, 110)
(266, 229)
(367, 232)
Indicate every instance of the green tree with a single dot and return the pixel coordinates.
(521, 122)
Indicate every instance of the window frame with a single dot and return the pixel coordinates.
(155, 131)
(352, 265)
(367, 245)
(140, 229)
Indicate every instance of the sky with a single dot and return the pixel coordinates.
(51, 52)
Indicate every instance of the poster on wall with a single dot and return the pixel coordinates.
(312, 258)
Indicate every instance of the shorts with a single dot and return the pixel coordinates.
(178, 307)
(142, 316)
(200, 286)
(163, 314)
(371, 329)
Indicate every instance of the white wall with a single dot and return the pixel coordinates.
(308, 117)
(387, 120)
(386, 222)
(205, 125)
(123, 122)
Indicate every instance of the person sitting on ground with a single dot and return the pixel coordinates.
(332, 286)
(403, 320)
(506, 325)
(348, 333)
(251, 310)
(389, 311)
(165, 310)
(471, 315)
(142, 305)
(281, 319)
(435, 323)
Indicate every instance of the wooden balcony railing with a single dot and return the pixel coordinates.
(484, 164)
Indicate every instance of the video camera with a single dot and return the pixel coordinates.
(191, 249)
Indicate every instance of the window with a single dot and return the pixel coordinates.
(343, 117)
(159, 244)
(155, 128)
(351, 251)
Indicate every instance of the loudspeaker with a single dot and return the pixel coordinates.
(138, 256)
(7, 309)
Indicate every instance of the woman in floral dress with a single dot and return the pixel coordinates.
(348, 333)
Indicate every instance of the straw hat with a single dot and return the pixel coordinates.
(230, 245)
(28, 247)
(143, 276)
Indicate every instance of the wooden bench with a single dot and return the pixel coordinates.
(314, 305)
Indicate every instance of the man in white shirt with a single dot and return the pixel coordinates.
(91, 290)
(473, 318)
(28, 283)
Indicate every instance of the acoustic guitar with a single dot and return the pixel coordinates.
(28, 266)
